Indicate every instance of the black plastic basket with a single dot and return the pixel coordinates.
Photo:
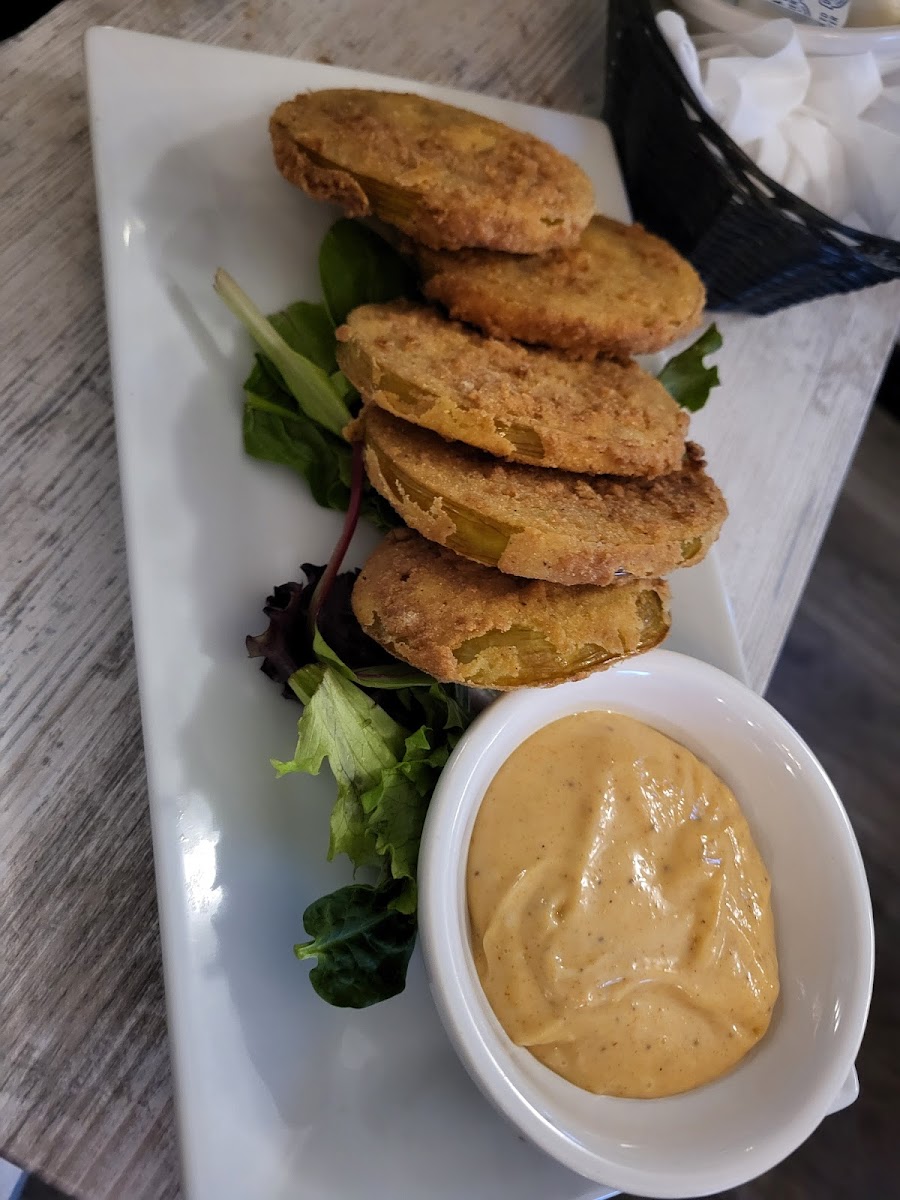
(757, 246)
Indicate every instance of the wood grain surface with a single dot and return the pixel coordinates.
(85, 1094)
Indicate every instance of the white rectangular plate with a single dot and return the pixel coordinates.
(278, 1094)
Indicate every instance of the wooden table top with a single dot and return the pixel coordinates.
(86, 1096)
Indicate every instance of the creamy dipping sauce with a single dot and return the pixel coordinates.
(619, 909)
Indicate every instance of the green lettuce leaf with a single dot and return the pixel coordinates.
(385, 778)
(685, 377)
(304, 683)
(396, 809)
(362, 944)
(437, 708)
(341, 723)
(356, 266)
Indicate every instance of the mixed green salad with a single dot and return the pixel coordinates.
(385, 730)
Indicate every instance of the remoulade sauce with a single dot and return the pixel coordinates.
(619, 909)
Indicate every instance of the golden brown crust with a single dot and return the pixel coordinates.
(464, 623)
(516, 402)
(621, 290)
(541, 524)
(445, 176)
(322, 183)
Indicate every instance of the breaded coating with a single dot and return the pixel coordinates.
(619, 291)
(540, 524)
(445, 176)
(464, 623)
(516, 402)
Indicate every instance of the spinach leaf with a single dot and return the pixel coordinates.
(307, 328)
(343, 386)
(393, 675)
(308, 383)
(377, 510)
(362, 945)
(356, 266)
(296, 401)
(275, 430)
(685, 377)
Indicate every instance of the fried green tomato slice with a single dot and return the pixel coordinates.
(464, 623)
(443, 175)
(619, 291)
(552, 525)
(516, 402)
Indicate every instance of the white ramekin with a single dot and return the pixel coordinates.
(721, 1135)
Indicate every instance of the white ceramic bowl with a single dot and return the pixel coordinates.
(721, 1135)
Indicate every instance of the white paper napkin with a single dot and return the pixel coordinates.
(826, 127)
